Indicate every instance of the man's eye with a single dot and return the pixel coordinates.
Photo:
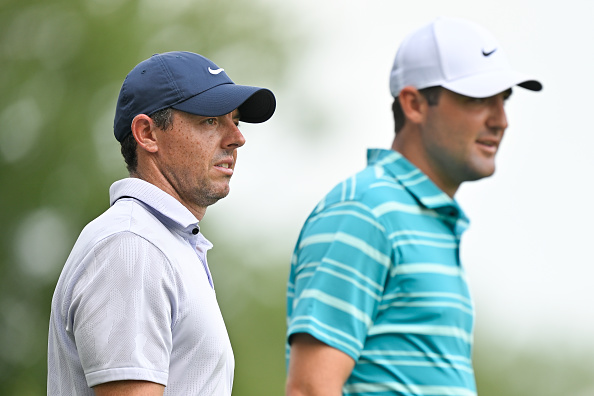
(211, 121)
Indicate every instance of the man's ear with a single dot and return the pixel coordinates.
(143, 130)
(414, 105)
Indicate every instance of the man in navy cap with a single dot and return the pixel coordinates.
(134, 311)
(377, 299)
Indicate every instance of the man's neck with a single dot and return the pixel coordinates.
(412, 152)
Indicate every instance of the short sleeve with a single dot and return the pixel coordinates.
(338, 274)
(121, 311)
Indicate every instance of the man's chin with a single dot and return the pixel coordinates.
(214, 196)
(481, 174)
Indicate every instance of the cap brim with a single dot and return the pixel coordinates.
(489, 84)
(255, 104)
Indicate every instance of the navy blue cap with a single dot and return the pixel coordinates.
(188, 82)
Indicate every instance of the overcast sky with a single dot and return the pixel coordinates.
(528, 250)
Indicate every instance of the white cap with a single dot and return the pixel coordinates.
(457, 55)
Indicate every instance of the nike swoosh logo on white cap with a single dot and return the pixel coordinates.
(217, 71)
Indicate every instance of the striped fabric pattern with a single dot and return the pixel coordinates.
(376, 274)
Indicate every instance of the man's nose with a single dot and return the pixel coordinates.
(233, 136)
(498, 118)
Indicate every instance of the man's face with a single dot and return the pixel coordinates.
(460, 137)
(197, 156)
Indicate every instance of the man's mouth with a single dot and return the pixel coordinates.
(225, 167)
(488, 144)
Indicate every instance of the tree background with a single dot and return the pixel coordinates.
(61, 66)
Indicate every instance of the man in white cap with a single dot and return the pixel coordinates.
(134, 311)
(377, 300)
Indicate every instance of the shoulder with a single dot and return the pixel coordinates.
(366, 190)
(126, 237)
(120, 258)
(130, 220)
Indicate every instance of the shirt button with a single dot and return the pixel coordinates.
(195, 230)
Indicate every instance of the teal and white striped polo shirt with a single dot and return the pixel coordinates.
(376, 274)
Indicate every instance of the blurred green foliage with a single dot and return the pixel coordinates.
(61, 66)
(252, 299)
(550, 370)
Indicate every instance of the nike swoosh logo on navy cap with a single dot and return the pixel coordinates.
(215, 72)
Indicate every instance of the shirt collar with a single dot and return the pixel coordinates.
(157, 200)
(415, 182)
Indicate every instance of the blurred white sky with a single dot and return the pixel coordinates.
(528, 249)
